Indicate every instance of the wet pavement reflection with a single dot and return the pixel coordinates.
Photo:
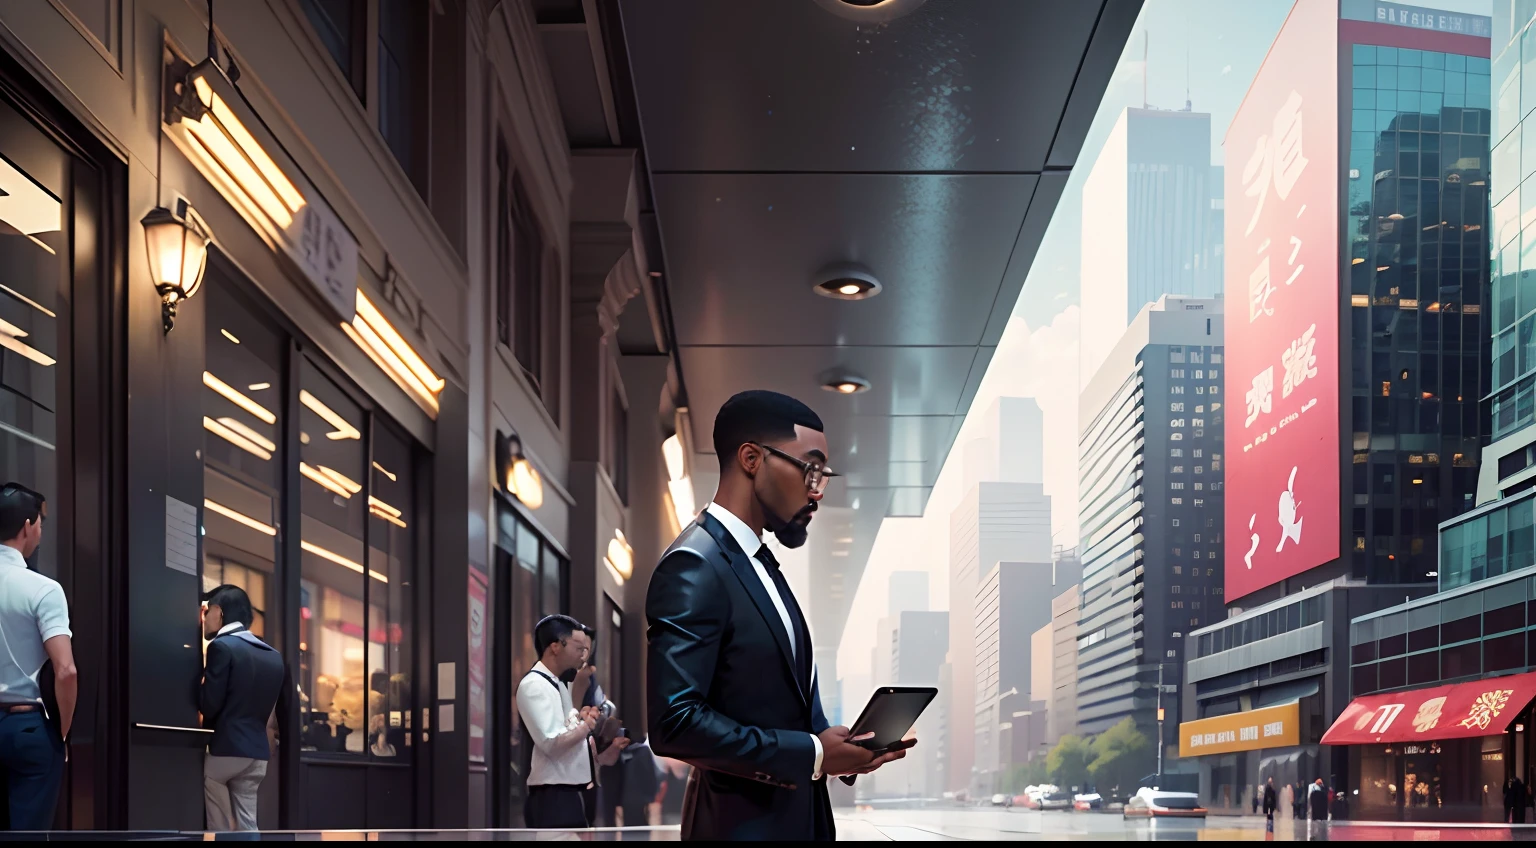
(890, 825)
(999, 825)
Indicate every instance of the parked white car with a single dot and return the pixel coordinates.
(1154, 803)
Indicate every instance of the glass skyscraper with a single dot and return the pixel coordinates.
(1419, 267)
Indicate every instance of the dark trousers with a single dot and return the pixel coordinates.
(555, 807)
(32, 760)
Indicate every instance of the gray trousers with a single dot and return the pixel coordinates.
(229, 791)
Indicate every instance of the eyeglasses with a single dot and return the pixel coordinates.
(816, 474)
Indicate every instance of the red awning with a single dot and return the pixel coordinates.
(1480, 708)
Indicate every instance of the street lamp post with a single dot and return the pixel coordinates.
(1160, 724)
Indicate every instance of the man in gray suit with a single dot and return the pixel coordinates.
(244, 680)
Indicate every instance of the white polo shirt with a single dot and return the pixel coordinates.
(32, 611)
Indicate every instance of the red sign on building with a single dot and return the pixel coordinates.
(1480, 708)
(1281, 373)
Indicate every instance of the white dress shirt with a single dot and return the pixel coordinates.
(32, 611)
(227, 628)
(559, 737)
(750, 543)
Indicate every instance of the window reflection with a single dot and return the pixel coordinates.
(241, 453)
(333, 591)
(391, 541)
(31, 243)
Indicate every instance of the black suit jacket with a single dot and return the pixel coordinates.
(726, 697)
(244, 680)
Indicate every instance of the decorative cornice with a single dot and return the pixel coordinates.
(604, 273)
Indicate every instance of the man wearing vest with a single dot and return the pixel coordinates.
(561, 734)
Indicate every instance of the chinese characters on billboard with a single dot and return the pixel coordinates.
(1282, 287)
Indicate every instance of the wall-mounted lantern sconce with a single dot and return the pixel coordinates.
(177, 244)
(515, 474)
(679, 486)
(620, 558)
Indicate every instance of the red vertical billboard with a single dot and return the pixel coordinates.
(1282, 322)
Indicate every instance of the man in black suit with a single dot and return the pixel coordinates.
(731, 682)
(244, 680)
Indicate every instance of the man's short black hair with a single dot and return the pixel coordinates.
(19, 506)
(233, 600)
(552, 629)
(759, 416)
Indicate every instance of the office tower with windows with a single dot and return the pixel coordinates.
(1150, 509)
(1062, 706)
(1012, 602)
(1417, 223)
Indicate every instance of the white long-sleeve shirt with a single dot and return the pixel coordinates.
(559, 736)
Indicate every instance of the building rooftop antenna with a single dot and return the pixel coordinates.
(1189, 105)
(1146, 38)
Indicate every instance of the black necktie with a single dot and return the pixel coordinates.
(801, 637)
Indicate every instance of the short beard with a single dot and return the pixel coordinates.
(793, 534)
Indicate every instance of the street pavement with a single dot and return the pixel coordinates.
(984, 823)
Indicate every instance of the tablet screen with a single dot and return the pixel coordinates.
(890, 713)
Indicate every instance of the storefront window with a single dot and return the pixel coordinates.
(334, 591)
(242, 452)
(1421, 777)
(34, 251)
(610, 649)
(555, 580)
(526, 593)
(356, 520)
(391, 541)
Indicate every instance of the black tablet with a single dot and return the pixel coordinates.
(890, 713)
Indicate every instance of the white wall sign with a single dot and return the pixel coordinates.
(327, 254)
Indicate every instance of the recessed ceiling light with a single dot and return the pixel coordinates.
(847, 282)
(871, 11)
(846, 385)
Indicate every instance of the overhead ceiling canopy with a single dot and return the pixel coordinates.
(926, 143)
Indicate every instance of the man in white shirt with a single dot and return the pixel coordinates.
(731, 680)
(34, 628)
(560, 734)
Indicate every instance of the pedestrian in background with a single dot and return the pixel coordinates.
(244, 682)
(34, 628)
(1269, 803)
(1317, 809)
(559, 734)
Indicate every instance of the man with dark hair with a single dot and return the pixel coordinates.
(559, 733)
(34, 628)
(732, 686)
(245, 688)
